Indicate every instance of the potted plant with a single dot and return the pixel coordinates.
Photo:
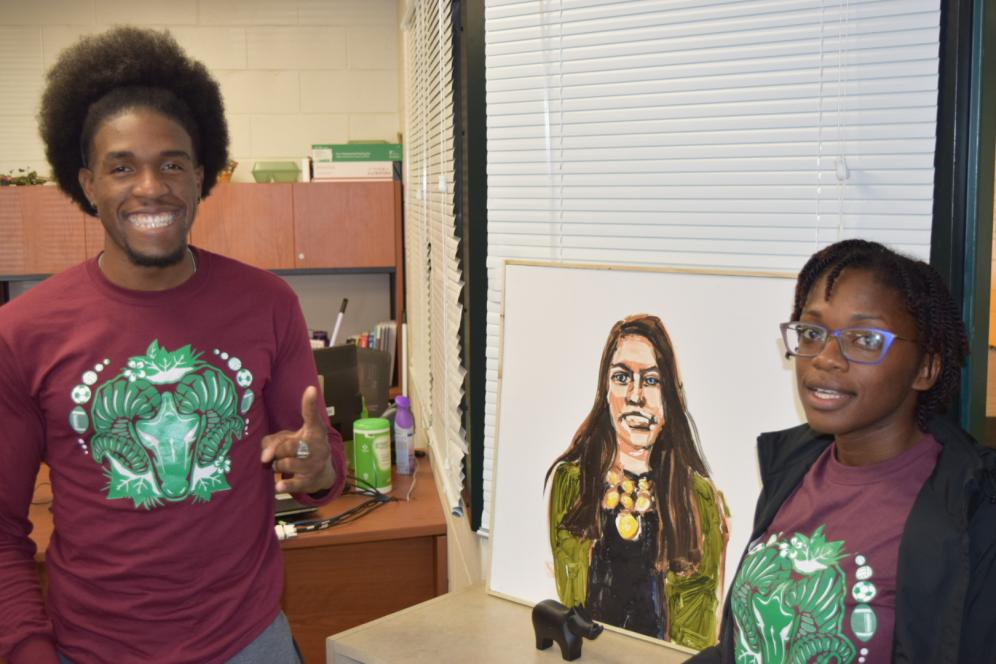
(24, 178)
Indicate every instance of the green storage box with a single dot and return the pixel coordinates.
(275, 171)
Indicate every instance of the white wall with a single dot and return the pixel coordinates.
(293, 72)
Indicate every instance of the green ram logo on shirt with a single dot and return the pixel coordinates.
(788, 602)
(164, 425)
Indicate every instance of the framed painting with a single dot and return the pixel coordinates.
(625, 471)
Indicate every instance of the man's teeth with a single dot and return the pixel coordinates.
(151, 220)
(827, 394)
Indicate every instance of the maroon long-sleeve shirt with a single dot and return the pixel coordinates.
(149, 408)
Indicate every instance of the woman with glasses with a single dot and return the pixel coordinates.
(638, 530)
(875, 533)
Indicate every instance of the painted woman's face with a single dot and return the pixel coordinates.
(634, 395)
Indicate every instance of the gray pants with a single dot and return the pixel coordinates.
(274, 645)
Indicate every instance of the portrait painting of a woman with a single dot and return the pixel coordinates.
(637, 528)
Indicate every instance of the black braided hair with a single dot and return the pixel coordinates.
(940, 330)
(125, 68)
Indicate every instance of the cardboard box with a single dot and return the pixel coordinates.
(356, 170)
(335, 152)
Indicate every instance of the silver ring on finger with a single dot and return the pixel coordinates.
(303, 451)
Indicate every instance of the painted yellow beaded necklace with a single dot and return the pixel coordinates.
(634, 498)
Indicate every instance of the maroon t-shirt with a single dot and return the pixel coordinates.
(822, 579)
(149, 408)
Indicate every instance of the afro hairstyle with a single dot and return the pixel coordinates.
(125, 68)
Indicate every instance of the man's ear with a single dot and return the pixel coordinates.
(929, 371)
(85, 177)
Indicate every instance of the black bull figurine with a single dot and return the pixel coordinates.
(552, 621)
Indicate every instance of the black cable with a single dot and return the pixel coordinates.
(376, 499)
(368, 489)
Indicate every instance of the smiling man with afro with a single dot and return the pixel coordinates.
(162, 384)
(101, 75)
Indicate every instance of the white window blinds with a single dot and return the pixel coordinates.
(704, 133)
(431, 248)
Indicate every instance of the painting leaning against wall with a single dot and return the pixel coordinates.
(637, 529)
(607, 491)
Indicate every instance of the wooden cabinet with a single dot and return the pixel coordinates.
(41, 231)
(321, 225)
(252, 223)
(308, 226)
(324, 226)
(344, 223)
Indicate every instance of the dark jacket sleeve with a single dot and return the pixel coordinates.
(978, 636)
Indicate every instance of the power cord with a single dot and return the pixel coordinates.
(411, 488)
(376, 498)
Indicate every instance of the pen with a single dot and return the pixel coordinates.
(338, 321)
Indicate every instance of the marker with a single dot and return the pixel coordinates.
(338, 321)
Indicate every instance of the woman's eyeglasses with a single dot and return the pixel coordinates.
(864, 345)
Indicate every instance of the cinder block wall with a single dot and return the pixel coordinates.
(293, 72)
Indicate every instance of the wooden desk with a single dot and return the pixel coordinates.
(472, 626)
(390, 559)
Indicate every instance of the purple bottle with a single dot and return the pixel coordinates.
(404, 436)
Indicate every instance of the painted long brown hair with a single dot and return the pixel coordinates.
(673, 459)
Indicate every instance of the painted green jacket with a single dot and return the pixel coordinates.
(692, 600)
